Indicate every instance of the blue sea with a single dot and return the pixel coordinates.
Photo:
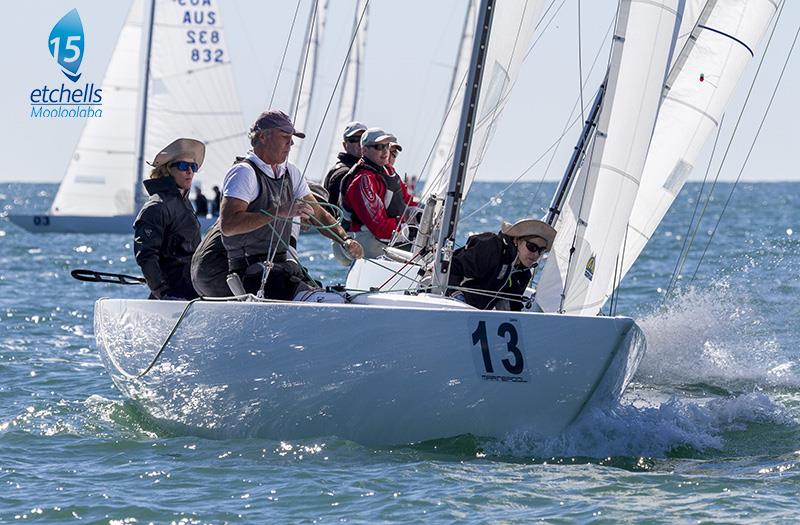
(708, 431)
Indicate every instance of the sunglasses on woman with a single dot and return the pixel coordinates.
(379, 147)
(535, 248)
(182, 165)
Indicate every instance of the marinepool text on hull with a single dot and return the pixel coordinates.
(63, 102)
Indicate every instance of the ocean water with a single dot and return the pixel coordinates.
(708, 431)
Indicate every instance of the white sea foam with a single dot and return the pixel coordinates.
(631, 430)
(714, 336)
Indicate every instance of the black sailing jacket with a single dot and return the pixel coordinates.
(166, 234)
(487, 263)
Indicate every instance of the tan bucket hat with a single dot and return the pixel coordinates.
(530, 228)
(191, 148)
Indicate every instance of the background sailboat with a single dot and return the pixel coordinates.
(188, 91)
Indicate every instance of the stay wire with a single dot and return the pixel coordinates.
(750, 150)
(692, 228)
(311, 36)
(283, 57)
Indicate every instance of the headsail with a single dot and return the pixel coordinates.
(513, 28)
(698, 89)
(596, 214)
(352, 75)
(191, 95)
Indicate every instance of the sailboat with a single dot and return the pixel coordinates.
(169, 76)
(246, 367)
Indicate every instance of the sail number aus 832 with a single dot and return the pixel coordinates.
(497, 350)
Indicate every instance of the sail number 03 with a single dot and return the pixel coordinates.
(509, 345)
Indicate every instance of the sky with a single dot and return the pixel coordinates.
(411, 47)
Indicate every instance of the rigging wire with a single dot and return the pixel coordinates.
(283, 57)
(752, 146)
(693, 228)
(580, 60)
(311, 36)
(335, 86)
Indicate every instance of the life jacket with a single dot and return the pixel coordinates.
(273, 194)
(393, 196)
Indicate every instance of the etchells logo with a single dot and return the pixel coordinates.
(68, 100)
(66, 44)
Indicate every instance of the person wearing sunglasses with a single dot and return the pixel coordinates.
(492, 271)
(166, 230)
(374, 196)
(346, 159)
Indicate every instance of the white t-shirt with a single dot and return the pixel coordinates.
(241, 182)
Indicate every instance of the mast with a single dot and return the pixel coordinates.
(469, 110)
(577, 157)
(301, 66)
(138, 191)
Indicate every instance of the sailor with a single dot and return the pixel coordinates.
(493, 270)
(200, 202)
(351, 143)
(376, 199)
(261, 195)
(166, 231)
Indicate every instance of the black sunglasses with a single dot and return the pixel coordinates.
(182, 165)
(535, 248)
(379, 147)
(353, 140)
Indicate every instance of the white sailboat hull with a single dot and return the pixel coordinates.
(304, 370)
(83, 224)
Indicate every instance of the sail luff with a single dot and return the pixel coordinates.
(699, 87)
(138, 188)
(593, 223)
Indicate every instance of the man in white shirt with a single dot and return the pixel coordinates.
(261, 195)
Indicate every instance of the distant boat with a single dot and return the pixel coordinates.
(169, 76)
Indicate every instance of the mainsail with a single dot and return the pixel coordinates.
(348, 100)
(191, 94)
(698, 89)
(513, 28)
(592, 224)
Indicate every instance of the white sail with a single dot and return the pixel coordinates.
(512, 31)
(348, 100)
(100, 176)
(595, 217)
(191, 94)
(697, 91)
(307, 73)
(437, 173)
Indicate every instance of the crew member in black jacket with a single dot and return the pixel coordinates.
(166, 231)
(493, 269)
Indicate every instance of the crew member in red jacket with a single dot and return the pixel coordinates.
(376, 197)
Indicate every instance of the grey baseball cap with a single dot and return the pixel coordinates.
(376, 136)
(276, 119)
(354, 128)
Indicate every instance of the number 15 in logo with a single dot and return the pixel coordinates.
(497, 350)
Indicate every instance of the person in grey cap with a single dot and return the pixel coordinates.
(262, 195)
(492, 271)
(375, 198)
(166, 230)
(351, 143)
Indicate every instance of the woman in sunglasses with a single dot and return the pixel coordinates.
(492, 271)
(166, 231)
(375, 197)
